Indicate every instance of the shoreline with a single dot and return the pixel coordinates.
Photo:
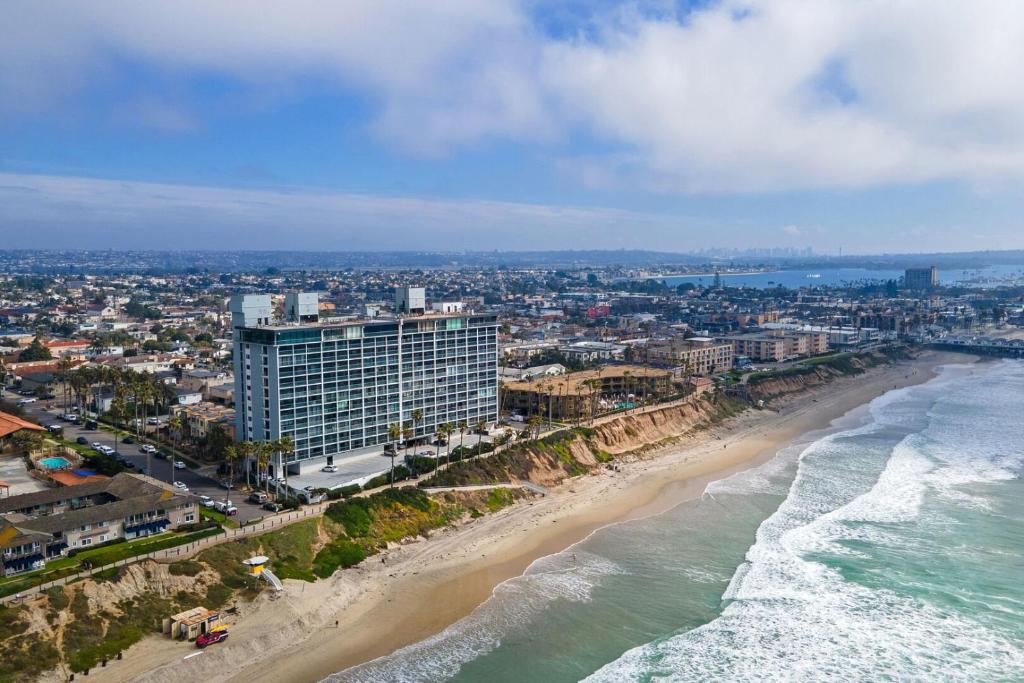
(426, 586)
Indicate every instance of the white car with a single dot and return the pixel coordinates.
(180, 485)
(97, 446)
(153, 421)
(329, 468)
(206, 501)
(147, 448)
(179, 465)
(26, 401)
(106, 450)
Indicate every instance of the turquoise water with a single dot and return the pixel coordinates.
(888, 548)
(55, 463)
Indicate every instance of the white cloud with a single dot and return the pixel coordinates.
(88, 212)
(762, 95)
(791, 230)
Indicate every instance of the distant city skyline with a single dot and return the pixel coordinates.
(513, 125)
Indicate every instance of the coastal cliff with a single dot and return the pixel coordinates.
(817, 372)
(576, 451)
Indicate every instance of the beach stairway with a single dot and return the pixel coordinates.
(272, 580)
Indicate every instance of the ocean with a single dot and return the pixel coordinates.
(889, 547)
(830, 277)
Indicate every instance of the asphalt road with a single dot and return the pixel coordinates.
(163, 470)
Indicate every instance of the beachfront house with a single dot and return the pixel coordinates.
(41, 526)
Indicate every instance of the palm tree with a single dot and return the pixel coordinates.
(501, 398)
(463, 427)
(394, 434)
(481, 426)
(175, 424)
(284, 446)
(439, 436)
(79, 387)
(407, 434)
(449, 429)
(417, 417)
(534, 424)
(264, 455)
(64, 366)
(231, 456)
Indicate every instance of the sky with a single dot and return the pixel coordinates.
(863, 125)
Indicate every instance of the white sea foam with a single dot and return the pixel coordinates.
(793, 618)
(514, 603)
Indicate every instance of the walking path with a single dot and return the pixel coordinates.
(180, 552)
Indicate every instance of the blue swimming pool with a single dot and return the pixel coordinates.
(55, 463)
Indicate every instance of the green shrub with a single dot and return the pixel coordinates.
(58, 599)
(421, 465)
(217, 595)
(185, 568)
(352, 514)
(401, 474)
(110, 574)
(341, 553)
(350, 490)
(499, 498)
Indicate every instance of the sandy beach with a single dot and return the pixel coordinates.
(417, 589)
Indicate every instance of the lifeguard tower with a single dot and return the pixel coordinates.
(258, 568)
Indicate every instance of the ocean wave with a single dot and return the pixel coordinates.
(793, 615)
(570, 575)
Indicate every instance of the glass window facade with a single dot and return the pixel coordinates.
(337, 389)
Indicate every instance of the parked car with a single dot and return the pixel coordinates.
(92, 425)
(69, 417)
(258, 497)
(230, 511)
(128, 439)
(206, 501)
(272, 506)
(179, 465)
(220, 505)
(55, 429)
(153, 421)
(181, 485)
(97, 446)
(82, 441)
(329, 468)
(211, 638)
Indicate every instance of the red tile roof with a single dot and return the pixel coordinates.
(72, 479)
(12, 423)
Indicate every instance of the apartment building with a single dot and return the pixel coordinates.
(577, 394)
(198, 418)
(336, 387)
(698, 355)
(760, 347)
(41, 526)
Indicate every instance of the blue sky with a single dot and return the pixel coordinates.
(512, 124)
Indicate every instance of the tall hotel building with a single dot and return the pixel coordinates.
(335, 387)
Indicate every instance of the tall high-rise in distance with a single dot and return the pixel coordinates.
(921, 279)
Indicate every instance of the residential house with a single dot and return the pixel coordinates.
(37, 527)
